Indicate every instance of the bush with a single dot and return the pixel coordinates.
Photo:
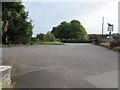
(35, 39)
(114, 44)
(46, 37)
(75, 41)
(98, 41)
(117, 49)
(94, 36)
(41, 36)
(104, 44)
(116, 37)
(49, 37)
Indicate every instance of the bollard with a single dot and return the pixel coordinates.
(5, 75)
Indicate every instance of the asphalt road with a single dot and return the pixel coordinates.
(63, 66)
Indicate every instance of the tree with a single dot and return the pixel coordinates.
(49, 37)
(46, 37)
(16, 28)
(70, 30)
(41, 36)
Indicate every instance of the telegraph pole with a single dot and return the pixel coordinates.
(102, 25)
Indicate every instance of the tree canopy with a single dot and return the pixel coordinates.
(46, 37)
(16, 29)
(70, 30)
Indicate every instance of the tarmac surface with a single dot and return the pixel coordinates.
(63, 66)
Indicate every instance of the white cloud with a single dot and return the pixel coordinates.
(92, 20)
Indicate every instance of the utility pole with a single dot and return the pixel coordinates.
(102, 25)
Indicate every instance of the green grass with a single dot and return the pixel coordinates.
(33, 43)
(49, 43)
(116, 49)
(13, 45)
(104, 44)
(107, 46)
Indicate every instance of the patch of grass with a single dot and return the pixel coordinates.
(47, 43)
(13, 45)
(108, 46)
(116, 49)
(104, 44)
(32, 43)
(51, 43)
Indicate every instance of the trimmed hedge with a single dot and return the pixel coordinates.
(75, 41)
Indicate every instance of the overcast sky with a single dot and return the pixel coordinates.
(49, 13)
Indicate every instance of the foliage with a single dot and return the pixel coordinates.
(46, 43)
(46, 37)
(108, 46)
(98, 41)
(70, 30)
(41, 36)
(104, 44)
(114, 44)
(34, 39)
(75, 41)
(16, 29)
(49, 37)
(116, 49)
(116, 37)
(94, 36)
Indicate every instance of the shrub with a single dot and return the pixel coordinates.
(46, 37)
(116, 37)
(75, 41)
(104, 44)
(35, 39)
(98, 41)
(117, 49)
(114, 44)
(49, 37)
(41, 36)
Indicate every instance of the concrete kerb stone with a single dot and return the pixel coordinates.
(5, 72)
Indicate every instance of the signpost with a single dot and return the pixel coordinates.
(110, 28)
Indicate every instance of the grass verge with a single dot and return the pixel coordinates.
(38, 43)
(107, 46)
(47, 43)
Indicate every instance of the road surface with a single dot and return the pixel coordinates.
(63, 66)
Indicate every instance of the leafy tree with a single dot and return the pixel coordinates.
(41, 36)
(70, 30)
(16, 29)
(49, 37)
(46, 37)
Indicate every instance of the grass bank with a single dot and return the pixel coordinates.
(47, 43)
(106, 45)
(38, 43)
